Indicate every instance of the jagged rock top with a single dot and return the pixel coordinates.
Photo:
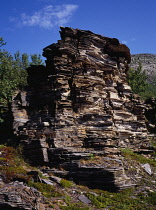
(83, 39)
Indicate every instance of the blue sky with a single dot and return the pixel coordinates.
(31, 25)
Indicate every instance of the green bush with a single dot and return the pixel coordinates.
(137, 79)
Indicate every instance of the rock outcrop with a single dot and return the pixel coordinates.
(16, 195)
(80, 107)
(150, 114)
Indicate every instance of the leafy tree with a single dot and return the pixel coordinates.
(13, 73)
(12, 76)
(137, 79)
(2, 42)
(36, 59)
(24, 62)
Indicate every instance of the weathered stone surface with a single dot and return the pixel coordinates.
(147, 168)
(150, 114)
(84, 199)
(81, 104)
(17, 196)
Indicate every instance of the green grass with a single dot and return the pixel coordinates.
(149, 92)
(129, 154)
(152, 198)
(12, 165)
(154, 143)
(47, 190)
(65, 183)
(124, 200)
(75, 206)
(2, 159)
(42, 176)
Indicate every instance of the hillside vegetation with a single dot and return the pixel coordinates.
(148, 68)
(148, 62)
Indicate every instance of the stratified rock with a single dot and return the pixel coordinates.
(150, 114)
(80, 105)
(17, 196)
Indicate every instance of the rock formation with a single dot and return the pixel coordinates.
(150, 114)
(79, 108)
(17, 196)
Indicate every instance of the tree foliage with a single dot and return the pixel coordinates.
(149, 92)
(13, 73)
(2, 42)
(137, 79)
(12, 76)
(36, 59)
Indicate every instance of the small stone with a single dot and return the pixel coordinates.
(46, 181)
(134, 197)
(46, 123)
(147, 168)
(152, 191)
(41, 206)
(95, 194)
(147, 188)
(84, 199)
(55, 179)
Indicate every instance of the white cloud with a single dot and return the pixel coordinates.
(124, 42)
(49, 16)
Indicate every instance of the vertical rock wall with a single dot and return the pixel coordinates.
(94, 106)
(80, 105)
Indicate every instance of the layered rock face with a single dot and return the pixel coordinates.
(20, 197)
(80, 106)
